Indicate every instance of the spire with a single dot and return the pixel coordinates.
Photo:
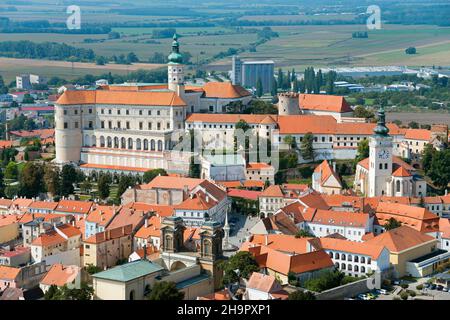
(381, 129)
(175, 57)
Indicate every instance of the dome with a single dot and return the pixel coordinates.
(175, 57)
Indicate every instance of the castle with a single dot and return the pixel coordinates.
(133, 127)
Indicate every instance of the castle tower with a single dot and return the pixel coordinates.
(175, 68)
(288, 104)
(172, 229)
(211, 253)
(68, 137)
(380, 158)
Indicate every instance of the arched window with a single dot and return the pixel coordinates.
(160, 145)
(356, 268)
(116, 142)
(147, 290)
(207, 248)
(132, 295)
(145, 144)
(123, 143)
(331, 255)
(343, 266)
(109, 142)
(138, 144)
(87, 141)
(356, 259)
(363, 260)
(168, 242)
(397, 186)
(343, 256)
(130, 143)
(152, 145)
(349, 267)
(336, 256)
(102, 141)
(93, 141)
(349, 258)
(363, 269)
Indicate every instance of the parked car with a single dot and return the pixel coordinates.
(426, 285)
(362, 296)
(439, 287)
(445, 289)
(397, 282)
(382, 291)
(432, 286)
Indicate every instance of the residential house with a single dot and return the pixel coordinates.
(325, 180)
(264, 287)
(61, 275)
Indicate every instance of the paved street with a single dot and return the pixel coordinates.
(240, 230)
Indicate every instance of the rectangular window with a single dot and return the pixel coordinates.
(102, 124)
(90, 125)
(110, 124)
(158, 126)
(109, 111)
(65, 112)
(168, 125)
(127, 112)
(65, 125)
(90, 111)
(140, 112)
(118, 111)
(118, 124)
(128, 125)
(75, 111)
(149, 126)
(141, 125)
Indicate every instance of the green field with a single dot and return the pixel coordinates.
(296, 47)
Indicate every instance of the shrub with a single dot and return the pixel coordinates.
(404, 295)
(419, 287)
(404, 285)
(412, 293)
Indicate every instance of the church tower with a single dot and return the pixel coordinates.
(211, 253)
(175, 69)
(172, 229)
(380, 158)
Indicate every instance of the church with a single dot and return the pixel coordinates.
(382, 174)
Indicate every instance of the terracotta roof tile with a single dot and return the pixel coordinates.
(418, 134)
(8, 273)
(400, 239)
(143, 98)
(320, 102)
(224, 90)
(60, 275)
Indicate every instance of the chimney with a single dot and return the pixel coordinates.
(334, 167)
(145, 252)
(146, 223)
(207, 199)
(266, 239)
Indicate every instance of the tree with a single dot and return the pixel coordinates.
(427, 157)
(64, 293)
(290, 141)
(362, 112)
(92, 269)
(411, 50)
(307, 149)
(439, 170)
(274, 91)
(301, 295)
(280, 78)
(164, 290)
(194, 168)
(68, 178)
(103, 184)
(413, 125)
(152, 174)
(242, 261)
(124, 183)
(327, 280)
(11, 171)
(363, 150)
(31, 180)
(304, 234)
(259, 88)
(52, 180)
(392, 223)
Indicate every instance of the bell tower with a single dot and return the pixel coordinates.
(175, 68)
(172, 229)
(211, 252)
(380, 158)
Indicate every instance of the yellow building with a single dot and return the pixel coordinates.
(9, 228)
(104, 249)
(405, 244)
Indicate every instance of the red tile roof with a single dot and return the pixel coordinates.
(60, 275)
(74, 206)
(418, 134)
(244, 194)
(9, 273)
(400, 239)
(110, 234)
(224, 90)
(125, 97)
(320, 102)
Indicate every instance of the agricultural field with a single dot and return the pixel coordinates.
(421, 118)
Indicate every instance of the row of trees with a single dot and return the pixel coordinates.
(313, 82)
